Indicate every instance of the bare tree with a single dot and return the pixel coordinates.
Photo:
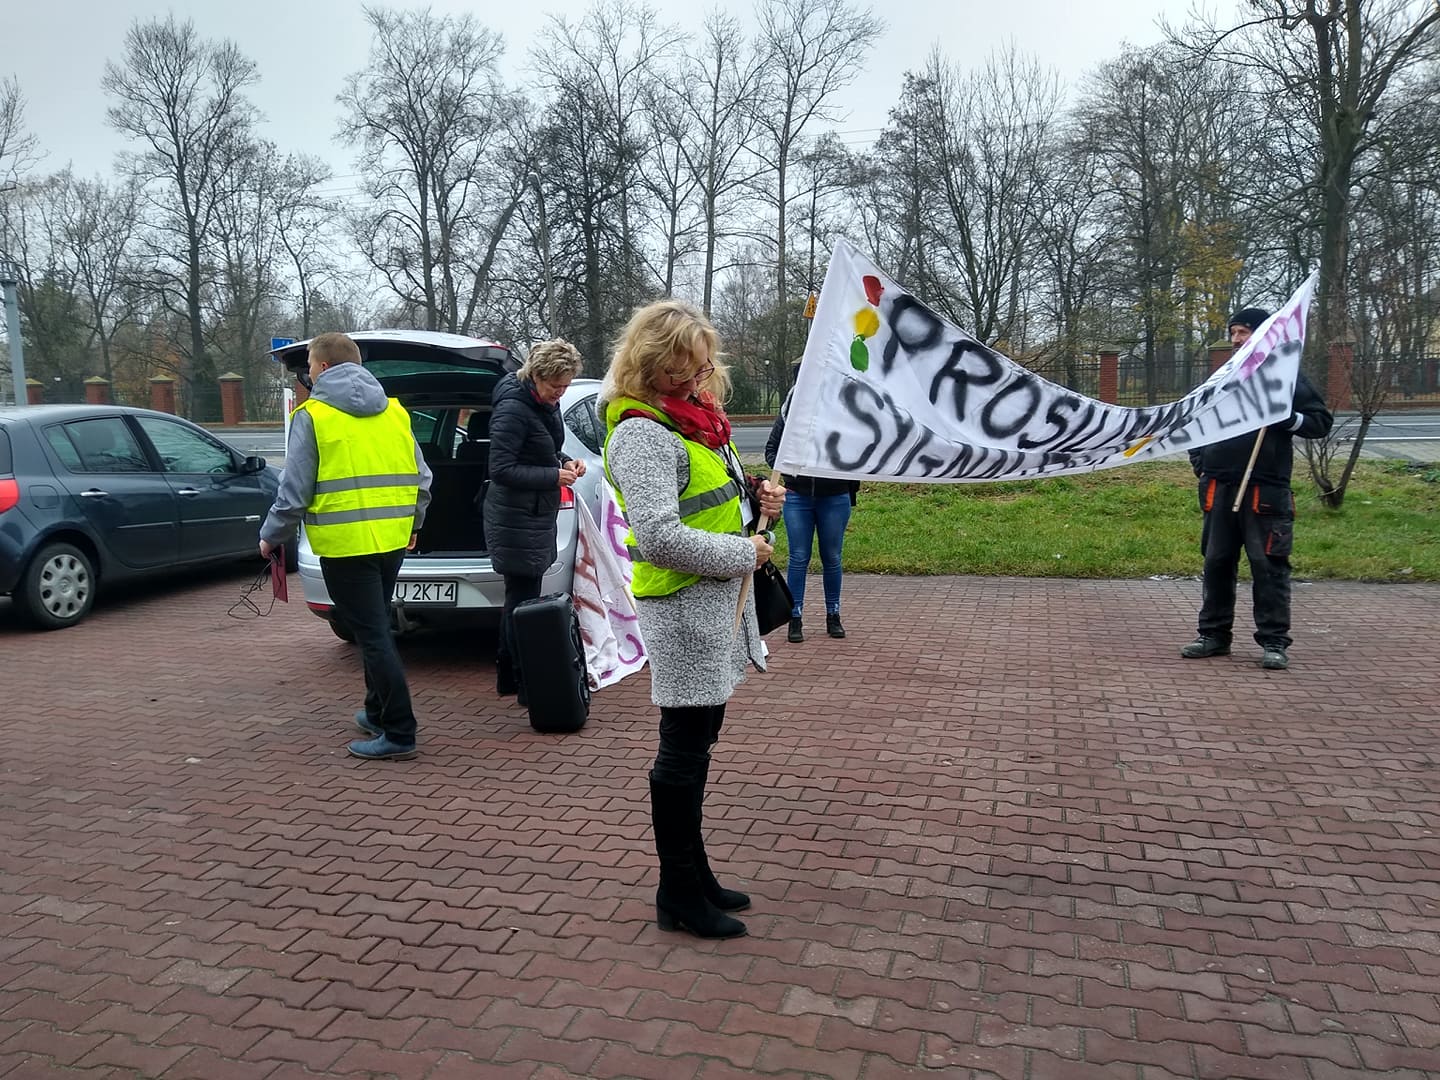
(304, 222)
(429, 117)
(182, 98)
(596, 74)
(1163, 127)
(717, 85)
(670, 181)
(1337, 61)
(811, 49)
(18, 148)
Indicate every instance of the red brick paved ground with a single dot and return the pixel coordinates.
(1001, 831)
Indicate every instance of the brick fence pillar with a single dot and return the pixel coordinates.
(232, 399)
(1337, 378)
(301, 394)
(162, 394)
(1109, 375)
(34, 391)
(1220, 351)
(97, 390)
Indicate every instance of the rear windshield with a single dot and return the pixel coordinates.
(5, 463)
(390, 369)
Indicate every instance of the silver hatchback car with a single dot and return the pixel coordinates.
(445, 382)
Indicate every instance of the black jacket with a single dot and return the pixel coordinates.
(524, 493)
(1226, 461)
(817, 487)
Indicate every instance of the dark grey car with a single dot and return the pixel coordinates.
(94, 494)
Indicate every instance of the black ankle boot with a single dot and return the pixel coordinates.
(833, 626)
(723, 898)
(796, 632)
(680, 904)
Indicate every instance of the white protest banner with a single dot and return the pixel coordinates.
(609, 625)
(889, 390)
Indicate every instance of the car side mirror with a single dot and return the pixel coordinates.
(253, 464)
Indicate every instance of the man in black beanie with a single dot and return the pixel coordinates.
(1264, 525)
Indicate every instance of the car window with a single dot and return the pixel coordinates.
(585, 423)
(184, 450)
(103, 445)
(5, 463)
(423, 424)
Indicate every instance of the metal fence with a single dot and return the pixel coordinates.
(1407, 383)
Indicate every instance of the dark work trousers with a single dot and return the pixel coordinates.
(1266, 539)
(518, 589)
(686, 736)
(360, 588)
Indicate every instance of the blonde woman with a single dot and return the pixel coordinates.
(689, 505)
(527, 470)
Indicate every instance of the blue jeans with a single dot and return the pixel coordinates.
(805, 516)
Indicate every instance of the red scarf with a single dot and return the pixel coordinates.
(699, 418)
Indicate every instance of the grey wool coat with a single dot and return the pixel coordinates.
(696, 658)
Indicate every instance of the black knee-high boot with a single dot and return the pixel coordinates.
(722, 898)
(680, 902)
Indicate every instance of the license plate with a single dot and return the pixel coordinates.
(439, 593)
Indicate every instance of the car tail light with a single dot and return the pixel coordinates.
(567, 498)
(9, 493)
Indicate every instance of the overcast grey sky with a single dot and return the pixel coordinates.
(305, 48)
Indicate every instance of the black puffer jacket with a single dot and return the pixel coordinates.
(1225, 461)
(817, 487)
(524, 493)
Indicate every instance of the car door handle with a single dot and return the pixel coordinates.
(188, 491)
(94, 493)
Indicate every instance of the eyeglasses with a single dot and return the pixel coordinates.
(685, 376)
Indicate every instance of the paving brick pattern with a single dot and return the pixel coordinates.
(1002, 830)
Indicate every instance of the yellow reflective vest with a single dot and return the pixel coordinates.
(366, 484)
(710, 501)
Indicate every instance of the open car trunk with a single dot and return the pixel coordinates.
(453, 431)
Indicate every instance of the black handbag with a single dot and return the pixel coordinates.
(773, 602)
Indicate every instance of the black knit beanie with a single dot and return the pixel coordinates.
(1250, 317)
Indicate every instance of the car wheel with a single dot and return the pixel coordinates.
(58, 588)
(341, 630)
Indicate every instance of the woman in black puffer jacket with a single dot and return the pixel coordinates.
(527, 471)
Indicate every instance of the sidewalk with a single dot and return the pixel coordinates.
(1002, 830)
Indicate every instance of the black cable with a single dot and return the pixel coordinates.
(246, 607)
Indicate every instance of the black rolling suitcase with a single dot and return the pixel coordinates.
(551, 659)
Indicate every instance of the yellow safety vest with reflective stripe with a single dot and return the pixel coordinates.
(366, 484)
(710, 501)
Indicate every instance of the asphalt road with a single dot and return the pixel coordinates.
(1414, 435)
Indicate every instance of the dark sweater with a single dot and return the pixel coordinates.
(1226, 461)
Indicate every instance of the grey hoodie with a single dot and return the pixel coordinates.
(351, 389)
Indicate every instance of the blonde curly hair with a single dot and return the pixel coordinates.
(551, 360)
(658, 338)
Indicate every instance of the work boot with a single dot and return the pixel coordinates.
(797, 632)
(1204, 646)
(1275, 658)
(833, 626)
(723, 898)
(382, 749)
(680, 904)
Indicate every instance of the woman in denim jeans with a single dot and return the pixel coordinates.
(814, 506)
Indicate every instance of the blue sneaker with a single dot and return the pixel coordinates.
(365, 724)
(382, 749)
